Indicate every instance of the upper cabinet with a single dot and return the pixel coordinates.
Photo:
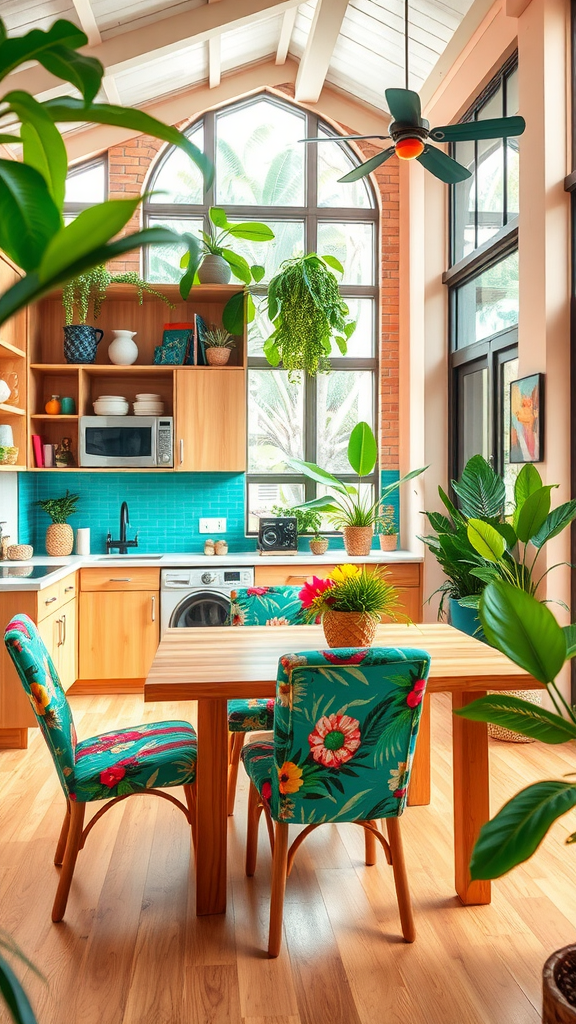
(208, 403)
(13, 337)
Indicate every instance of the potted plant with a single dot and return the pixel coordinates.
(388, 532)
(526, 631)
(218, 344)
(308, 314)
(59, 535)
(351, 511)
(89, 290)
(351, 602)
(216, 262)
(307, 521)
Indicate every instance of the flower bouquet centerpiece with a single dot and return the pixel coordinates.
(350, 603)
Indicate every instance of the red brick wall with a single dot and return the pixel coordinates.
(129, 165)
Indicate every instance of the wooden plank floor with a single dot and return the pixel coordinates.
(131, 951)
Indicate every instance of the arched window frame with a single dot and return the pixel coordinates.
(71, 210)
(312, 214)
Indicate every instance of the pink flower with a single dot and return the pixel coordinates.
(312, 591)
(346, 659)
(399, 793)
(335, 739)
(414, 698)
(420, 684)
(257, 591)
(266, 791)
(111, 776)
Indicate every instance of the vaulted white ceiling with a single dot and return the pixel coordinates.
(152, 49)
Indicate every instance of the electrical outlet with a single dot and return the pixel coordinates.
(212, 525)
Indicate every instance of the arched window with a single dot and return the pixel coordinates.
(263, 172)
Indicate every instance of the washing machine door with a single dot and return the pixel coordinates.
(202, 608)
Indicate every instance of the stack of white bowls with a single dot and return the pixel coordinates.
(111, 405)
(148, 405)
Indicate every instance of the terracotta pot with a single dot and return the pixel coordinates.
(349, 629)
(319, 547)
(214, 270)
(388, 541)
(217, 356)
(59, 540)
(558, 970)
(358, 539)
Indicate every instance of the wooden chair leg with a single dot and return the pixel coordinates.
(235, 750)
(61, 847)
(279, 865)
(254, 812)
(190, 794)
(369, 847)
(401, 879)
(77, 811)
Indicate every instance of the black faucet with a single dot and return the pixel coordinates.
(122, 544)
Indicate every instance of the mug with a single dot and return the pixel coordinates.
(67, 406)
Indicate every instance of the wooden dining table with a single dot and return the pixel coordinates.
(216, 664)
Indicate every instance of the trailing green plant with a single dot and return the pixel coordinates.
(307, 519)
(350, 588)
(218, 337)
(526, 631)
(308, 314)
(32, 229)
(59, 509)
(90, 289)
(11, 988)
(349, 506)
(386, 521)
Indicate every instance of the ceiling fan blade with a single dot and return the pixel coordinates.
(341, 138)
(369, 165)
(404, 105)
(492, 128)
(442, 165)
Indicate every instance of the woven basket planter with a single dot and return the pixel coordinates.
(214, 270)
(59, 540)
(319, 547)
(558, 976)
(358, 539)
(498, 732)
(349, 629)
(217, 356)
(388, 541)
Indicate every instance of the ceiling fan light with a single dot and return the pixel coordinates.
(408, 149)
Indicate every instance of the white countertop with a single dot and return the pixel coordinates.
(190, 559)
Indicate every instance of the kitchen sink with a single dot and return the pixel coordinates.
(131, 558)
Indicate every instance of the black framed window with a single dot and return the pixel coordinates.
(86, 185)
(263, 172)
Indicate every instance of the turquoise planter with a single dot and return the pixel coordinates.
(466, 620)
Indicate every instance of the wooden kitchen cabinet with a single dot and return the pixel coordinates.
(119, 628)
(210, 423)
(59, 633)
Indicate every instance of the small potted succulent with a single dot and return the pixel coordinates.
(218, 345)
(59, 535)
(351, 602)
(388, 531)
(307, 522)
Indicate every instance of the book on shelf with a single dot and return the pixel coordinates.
(38, 450)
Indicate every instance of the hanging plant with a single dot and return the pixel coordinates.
(308, 314)
(91, 288)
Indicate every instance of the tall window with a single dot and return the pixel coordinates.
(264, 173)
(86, 185)
(483, 281)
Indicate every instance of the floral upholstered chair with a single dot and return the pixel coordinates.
(140, 759)
(345, 730)
(256, 606)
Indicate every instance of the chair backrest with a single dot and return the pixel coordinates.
(345, 727)
(42, 684)
(266, 606)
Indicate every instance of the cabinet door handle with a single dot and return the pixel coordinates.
(68, 589)
(63, 621)
(50, 600)
(59, 641)
(121, 579)
(181, 451)
(289, 578)
(153, 609)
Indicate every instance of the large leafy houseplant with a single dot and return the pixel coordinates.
(11, 989)
(89, 289)
(308, 315)
(215, 243)
(32, 229)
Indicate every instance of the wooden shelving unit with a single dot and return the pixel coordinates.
(190, 394)
(13, 347)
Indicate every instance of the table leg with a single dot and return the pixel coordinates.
(419, 791)
(471, 796)
(211, 815)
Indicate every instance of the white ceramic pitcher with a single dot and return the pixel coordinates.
(123, 351)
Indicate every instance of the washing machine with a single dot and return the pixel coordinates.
(193, 598)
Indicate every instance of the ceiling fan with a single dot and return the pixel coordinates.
(410, 132)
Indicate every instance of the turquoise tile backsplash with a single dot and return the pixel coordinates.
(164, 508)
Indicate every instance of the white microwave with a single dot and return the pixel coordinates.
(139, 442)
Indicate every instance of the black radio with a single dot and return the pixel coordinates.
(278, 534)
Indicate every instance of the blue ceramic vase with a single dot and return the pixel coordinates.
(80, 343)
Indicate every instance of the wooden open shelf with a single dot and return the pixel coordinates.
(5, 346)
(12, 410)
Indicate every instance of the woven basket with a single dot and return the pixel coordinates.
(498, 732)
(358, 539)
(217, 356)
(59, 540)
(349, 629)
(20, 552)
(319, 547)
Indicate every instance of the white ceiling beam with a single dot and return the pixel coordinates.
(89, 25)
(134, 48)
(214, 58)
(439, 77)
(288, 22)
(324, 32)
